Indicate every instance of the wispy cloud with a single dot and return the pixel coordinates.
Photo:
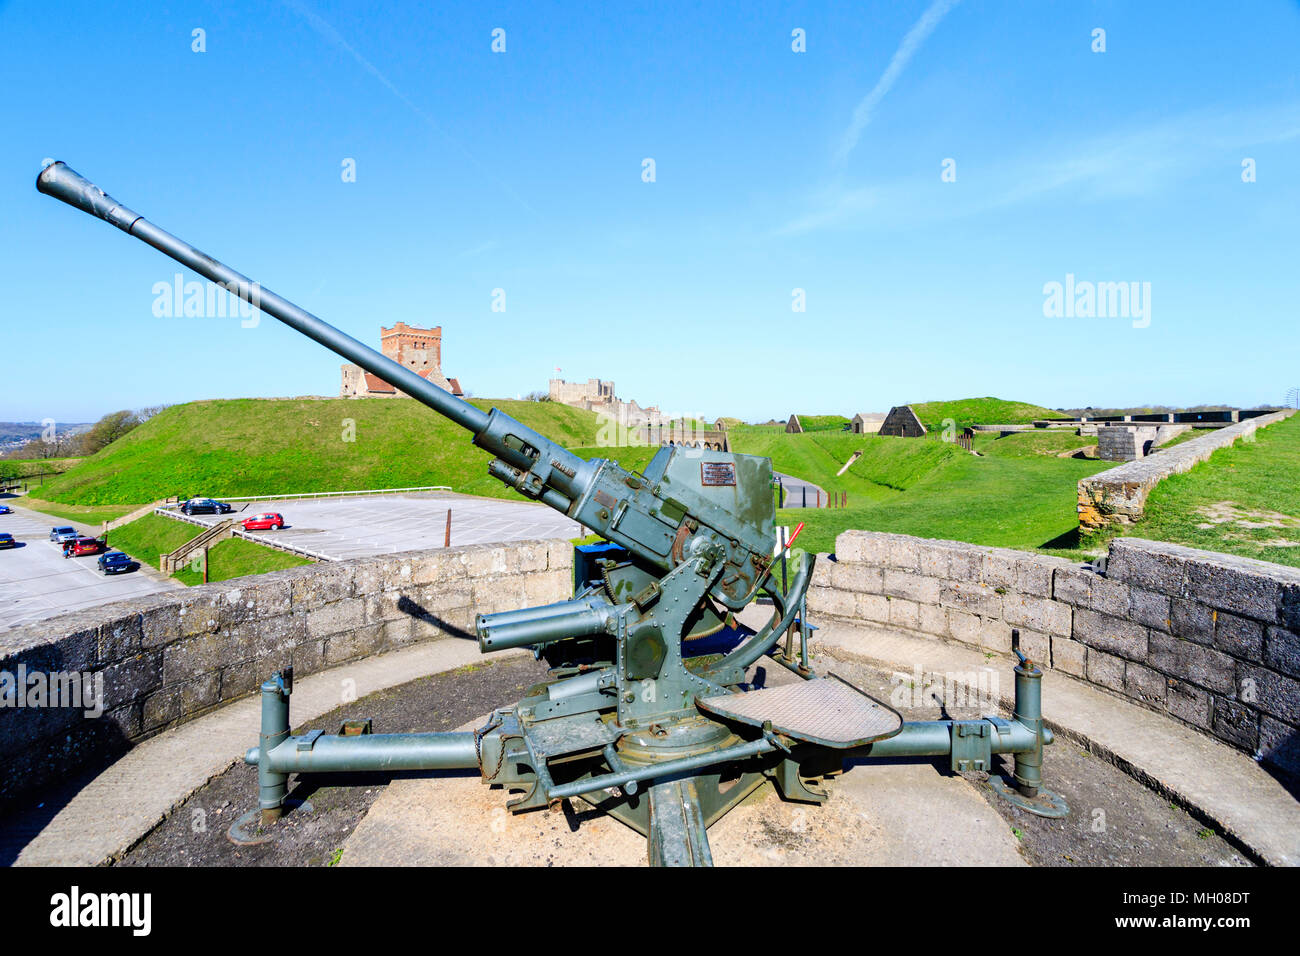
(866, 109)
(328, 32)
(477, 250)
(1139, 161)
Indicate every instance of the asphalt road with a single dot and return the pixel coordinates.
(37, 582)
(798, 491)
(359, 527)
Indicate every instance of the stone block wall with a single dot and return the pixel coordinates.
(1118, 496)
(1208, 639)
(166, 658)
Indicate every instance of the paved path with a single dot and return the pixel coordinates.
(797, 491)
(361, 526)
(37, 581)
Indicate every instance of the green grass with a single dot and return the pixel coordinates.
(1261, 480)
(1188, 436)
(1010, 502)
(980, 411)
(1017, 493)
(1036, 444)
(22, 467)
(86, 514)
(887, 465)
(237, 557)
(147, 539)
(823, 423)
(261, 446)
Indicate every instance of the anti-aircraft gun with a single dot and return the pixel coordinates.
(645, 718)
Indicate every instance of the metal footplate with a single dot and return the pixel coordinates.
(827, 711)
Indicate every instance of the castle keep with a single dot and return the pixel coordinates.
(597, 395)
(419, 350)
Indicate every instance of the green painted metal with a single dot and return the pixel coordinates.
(618, 726)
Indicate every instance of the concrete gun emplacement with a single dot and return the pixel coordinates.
(654, 713)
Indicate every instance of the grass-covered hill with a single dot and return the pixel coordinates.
(282, 446)
(980, 411)
(886, 466)
(823, 423)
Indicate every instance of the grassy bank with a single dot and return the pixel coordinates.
(980, 411)
(1011, 502)
(266, 446)
(1244, 500)
(84, 514)
(236, 557)
(147, 539)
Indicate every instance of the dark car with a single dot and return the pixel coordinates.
(206, 506)
(6, 510)
(115, 562)
(64, 533)
(7, 540)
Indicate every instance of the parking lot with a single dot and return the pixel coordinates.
(339, 528)
(37, 582)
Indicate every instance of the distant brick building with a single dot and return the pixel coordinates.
(419, 350)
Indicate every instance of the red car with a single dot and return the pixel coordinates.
(84, 546)
(270, 521)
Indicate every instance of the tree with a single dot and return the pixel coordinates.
(108, 430)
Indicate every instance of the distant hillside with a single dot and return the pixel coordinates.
(14, 435)
(980, 411)
(886, 466)
(282, 446)
(823, 423)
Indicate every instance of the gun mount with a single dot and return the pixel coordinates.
(638, 699)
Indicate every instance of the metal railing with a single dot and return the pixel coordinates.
(327, 494)
(238, 532)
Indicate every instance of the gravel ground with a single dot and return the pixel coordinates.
(195, 833)
(1114, 820)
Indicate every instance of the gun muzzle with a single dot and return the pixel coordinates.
(538, 626)
(63, 183)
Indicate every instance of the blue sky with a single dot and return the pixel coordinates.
(774, 171)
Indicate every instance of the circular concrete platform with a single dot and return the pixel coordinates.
(879, 814)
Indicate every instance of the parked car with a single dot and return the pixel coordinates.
(206, 506)
(82, 546)
(115, 562)
(65, 533)
(7, 540)
(6, 510)
(269, 521)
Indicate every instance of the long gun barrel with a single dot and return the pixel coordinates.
(724, 500)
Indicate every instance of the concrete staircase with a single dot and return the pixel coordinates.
(168, 563)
